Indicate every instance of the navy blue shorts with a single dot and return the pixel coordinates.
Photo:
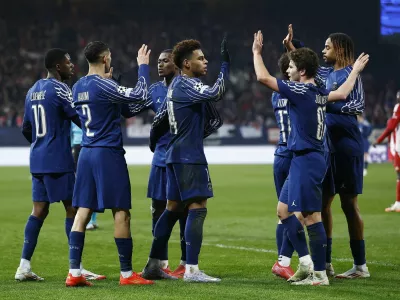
(302, 191)
(188, 181)
(52, 187)
(281, 172)
(157, 187)
(102, 180)
(348, 173)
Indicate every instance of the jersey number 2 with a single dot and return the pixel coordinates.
(40, 117)
(86, 112)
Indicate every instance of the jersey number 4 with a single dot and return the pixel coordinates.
(40, 120)
(86, 112)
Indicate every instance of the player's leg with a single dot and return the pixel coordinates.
(295, 232)
(85, 198)
(194, 193)
(366, 160)
(180, 270)
(395, 207)
(285, 248)
(113, 190)
(157, 192)
(32, 229)
(162, 233)
(349, 181)
(92, 225)
(328, 195)
(317, 242)
(305, 195)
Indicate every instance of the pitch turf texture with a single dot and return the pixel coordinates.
(239, 243)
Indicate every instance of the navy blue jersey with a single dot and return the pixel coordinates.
(343, 134)
(48, 112)
(279, 104)
(191, 116)
(99, 104)
(155, 98)
(306, 109)
(365, 129)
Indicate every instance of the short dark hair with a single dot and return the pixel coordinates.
(283, 64)
(183, 50)
(344, 48)
(305, 59)
(167, 51)
(53, 57)
(93, 50)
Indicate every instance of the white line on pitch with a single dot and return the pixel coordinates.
(379, 263)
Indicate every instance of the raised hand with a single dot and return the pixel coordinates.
(361, 62)
(288, 39)
(224, 50)
(109, 74)
(143, 57)
(258, 42)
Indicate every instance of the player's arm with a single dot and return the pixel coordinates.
(27, 123)
(120, 94)
(390, 127)
(262, 73)
(133, 109)
(351, 90)
(197, 92)
(212, 121)
(64, 95)
(160, 125)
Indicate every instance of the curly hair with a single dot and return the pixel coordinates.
(305, 59)
(183, 50)
(283, 64)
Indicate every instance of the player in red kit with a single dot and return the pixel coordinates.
(393, 132)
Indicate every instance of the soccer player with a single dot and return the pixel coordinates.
(76, 139)
(102, 180)
(188, 180)
(302, 191)
(393, 131)
(282, 160)
(366, 129)
(46, 125)
(346, 160)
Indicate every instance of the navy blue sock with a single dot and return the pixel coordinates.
(317, 239)
(295, 232)
(329, 250)
(162, 232)
(76, 243)
(32, 229)
(358, 251)
(365, 165)
(125, 248)
(68, 226)
(194, 234)
(279, 237)
(182, 225)
(158, 208)
(287, 247)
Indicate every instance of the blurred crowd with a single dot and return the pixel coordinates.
(24, 42)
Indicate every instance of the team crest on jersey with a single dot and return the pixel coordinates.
(198, 86)
(122, 90)
(334, 86)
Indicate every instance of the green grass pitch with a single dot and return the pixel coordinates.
(239, 243)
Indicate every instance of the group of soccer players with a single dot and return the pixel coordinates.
(319, 155)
